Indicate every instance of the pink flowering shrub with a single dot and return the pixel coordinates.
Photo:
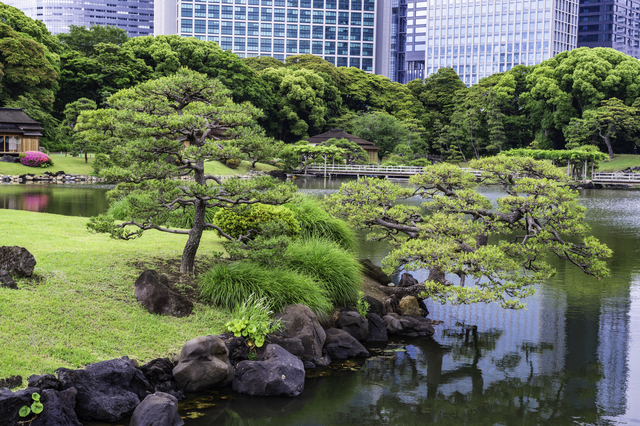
(35, 159)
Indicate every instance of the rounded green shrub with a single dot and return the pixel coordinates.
(233, 163)
(336, 269)
(315, 222)
(101, 161)
(420, 162)
(230, 284)
(238, 222)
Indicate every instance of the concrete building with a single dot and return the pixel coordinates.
(480, 38)
(609, 23)
(348, 33)
(134, 16)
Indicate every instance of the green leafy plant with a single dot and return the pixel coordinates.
(240, 221)
(233, 163)
(36, 406)
(362, 305)
(253, 320)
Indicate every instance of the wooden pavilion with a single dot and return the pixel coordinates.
(18, 132)
(370, 148)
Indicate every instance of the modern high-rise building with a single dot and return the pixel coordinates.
(480, 38)
(347, 33)
(610, 23)
(133, 16)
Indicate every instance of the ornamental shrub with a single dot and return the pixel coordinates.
(233, 163)
(36, 159)
(239, 221)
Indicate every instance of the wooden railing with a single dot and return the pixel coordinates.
(627, 178)
(372, 170)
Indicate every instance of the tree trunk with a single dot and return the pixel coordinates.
(86, 159)
(607, 141)
(187, 264)
(473, 145)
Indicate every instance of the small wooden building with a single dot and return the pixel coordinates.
(370, 148)
(18, 132)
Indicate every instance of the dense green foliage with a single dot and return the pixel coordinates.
(229, 285)
(249, 220)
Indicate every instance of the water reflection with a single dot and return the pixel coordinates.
(70, 200)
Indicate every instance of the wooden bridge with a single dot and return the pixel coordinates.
(391, 172)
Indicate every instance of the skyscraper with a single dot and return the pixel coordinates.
(133, 16)
(349, 33)
(480, 38)
(609, 23)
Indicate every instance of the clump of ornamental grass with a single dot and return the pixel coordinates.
(334, 268)
(315, 222)
(36, 159)
(230, 284)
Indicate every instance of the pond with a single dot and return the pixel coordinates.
(572, 356)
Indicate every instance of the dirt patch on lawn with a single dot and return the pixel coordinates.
(373, 288)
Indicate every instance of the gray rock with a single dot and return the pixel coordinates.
(59, 408)
(159, 374)
(107, 390)
(394, 327)
(158, 409)
(342, 345)
(11, 382)
(375, 306)
(293, 345)
(354, 324)
(203, 364)
(374, 272)
(298, 321)
(46, 381)
(17, 261)
(377, 329)
(152, 291)
(11, 402)
(407, 280)
(279, 374)
(237, 347)
(410, 326)
(6, 280)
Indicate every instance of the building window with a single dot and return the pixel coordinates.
(367, 49)
(265, 45)
(240, 28)
(292, 31)
(330, 17)
(239, 43)
(292, 46)
(200, 26)
(356, 18)
(305, 3)
(278, 15)
(226, 43)
(355, 34)
(214, 27)
(253, 14)
(330, 48)
(316, 47)
(241, 13)
(305, 31)
(318, 4)
(278, 30)
(341, 62)
(367, 64)
(227, 28)
(254, 30)
(253, 44)
(368, 19)
(200, 11)
(367, 34)
(186, 26)
(216, 39)
(343, 4)
(214, 12)
(278, 46)
(305, 46)
(354, 62)
(330, 59)
(369, 5)
(318, 17)
(317, 31)
(265, 30)
(330, 4)
(355, 49)
(227, 12)
(266, 14)
(292, 3)
(356, 4)
(343, 48)
(305, 16)
(187, 11)
(330, 33)
(343, 33)
(292, 15)
(343, 18)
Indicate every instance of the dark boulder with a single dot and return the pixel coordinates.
(203, 364)
(342, 345)
(17, 261)
(46, 381)
(279, 374)
(374, 272)
(107, 390)
(159, 375)
(9, 159)
(409, 326)
(354, 324)
(11, 382)
(423, 307)
(377, 329)
(59, 408)
(293, 345)
(152, 291)
(375, 306)
(407, 280)
(6, 280)
(299, 322)
(237, 347)
(391, 304)
(158, 409)
(11, 402)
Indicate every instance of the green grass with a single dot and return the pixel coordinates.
(84, 310)
(337, 270)
(77, 166)
(619, 162)
(228, 285)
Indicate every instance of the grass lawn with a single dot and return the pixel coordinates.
(619, 162)
(77, 166)
(81, 308)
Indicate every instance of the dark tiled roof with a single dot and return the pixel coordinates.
(339, 134)
(15, 120)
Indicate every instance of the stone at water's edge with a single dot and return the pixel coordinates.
(407, 280)
(158, 409)
(299, 322)
(409, 306)
(374, 272)
(377, 329)
(153, 292)
(410, 326)
(58, 407)
(107, 390)
(354, 324)
(159, 374)
(17, 261)
(375, 306)
(342, 345)
(279, 374)
(204, 364)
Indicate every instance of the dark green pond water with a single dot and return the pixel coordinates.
(66, 199)
(571, 357)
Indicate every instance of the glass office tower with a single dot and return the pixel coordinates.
(480, 38)
(343, 32)
(609, 23)
(133, 16)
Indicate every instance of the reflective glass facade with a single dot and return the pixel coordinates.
(341, 31)
(134, 16)
(609, 23)
(480, 38)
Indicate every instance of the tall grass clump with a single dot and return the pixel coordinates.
(230, 285)
(315, 222)
(336, 269)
